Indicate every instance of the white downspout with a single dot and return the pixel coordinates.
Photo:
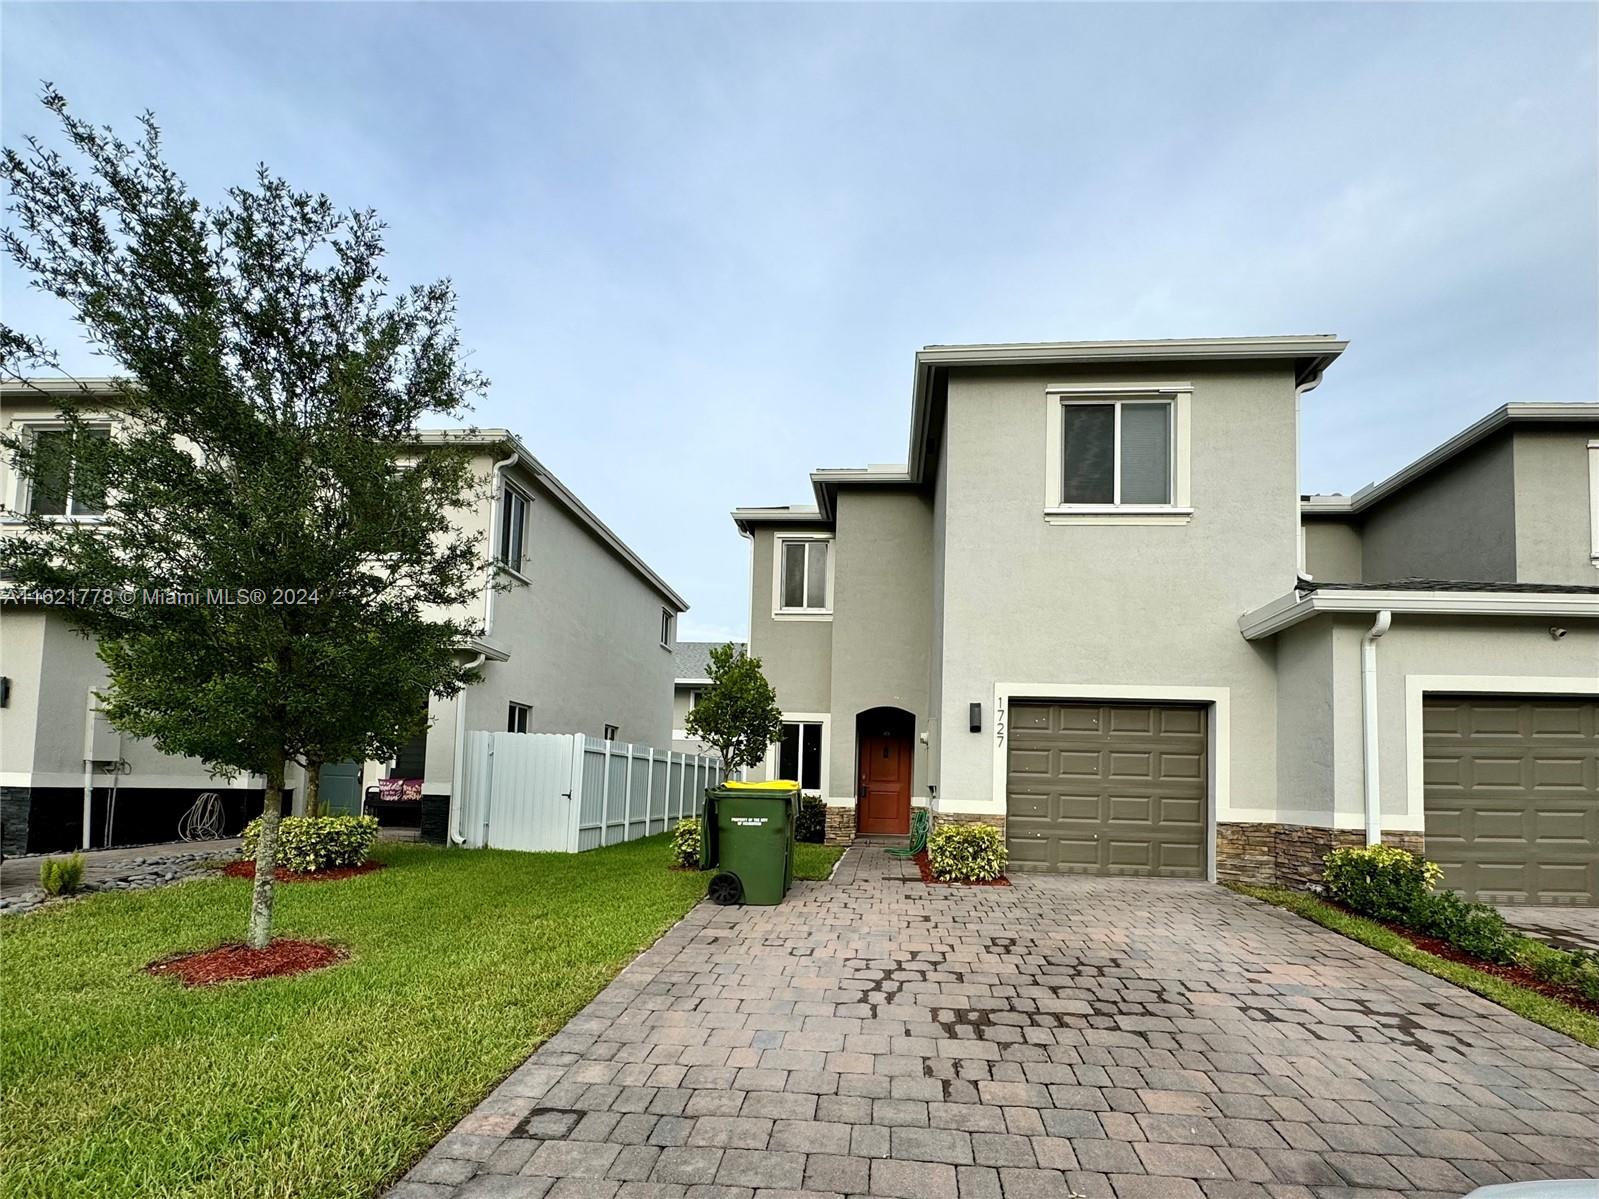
(458, 770)
(496, 515)
(1368, 707)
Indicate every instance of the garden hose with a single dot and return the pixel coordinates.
(920, 819)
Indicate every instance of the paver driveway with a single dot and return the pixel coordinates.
(1096, 1037)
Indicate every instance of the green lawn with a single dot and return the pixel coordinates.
(1535, 1006)
(114, 1083)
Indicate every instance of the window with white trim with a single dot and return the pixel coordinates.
(668, 627)
(802, 576)
(611, 731)
(59, 482)
(799, 754)
(517, 717)
(1117, 452)
(513, 527)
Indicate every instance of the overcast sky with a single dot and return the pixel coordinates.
(697, 246)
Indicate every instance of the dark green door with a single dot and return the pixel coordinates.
(341, 788)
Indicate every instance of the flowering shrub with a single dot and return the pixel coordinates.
(966, 853)
(1382, 881)
(309, 843)
(686, 844)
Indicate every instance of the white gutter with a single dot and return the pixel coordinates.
(458, 770)
(1289, 610)
(496, 492)
(1368, 710)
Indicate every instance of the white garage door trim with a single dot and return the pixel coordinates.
(1416, 688)
(1219, 724)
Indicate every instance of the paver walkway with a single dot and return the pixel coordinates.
(1067, 1036)
(1567, 927)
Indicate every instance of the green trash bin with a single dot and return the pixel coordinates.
(748, 839)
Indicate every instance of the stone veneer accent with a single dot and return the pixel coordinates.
(840, 825)
(1289, 855)
(996, 819)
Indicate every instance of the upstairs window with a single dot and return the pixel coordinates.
(516, 718)
(799, 755)
(803, 584)
(1116, 453)
(668, 627)
(60, 484)
(611, 732)
(513, 528)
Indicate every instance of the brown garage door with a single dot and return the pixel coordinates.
(1512, 797)
(1106, 789)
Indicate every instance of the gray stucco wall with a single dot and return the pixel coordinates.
(1094, 605)
(1333, 551)
(584, 635)
(1458, 522)
(882, 620)
(1554, 540)
(797, 654)
(1305, 724)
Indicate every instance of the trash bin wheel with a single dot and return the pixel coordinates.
(725, 889)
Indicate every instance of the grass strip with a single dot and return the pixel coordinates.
(1541, 1009)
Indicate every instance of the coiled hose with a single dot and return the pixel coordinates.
(204, 820)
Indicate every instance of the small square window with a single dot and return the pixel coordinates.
(802, 582)
(517, 717)
(513, 528)
(611, 731)
(668, 627)
(1117, 453)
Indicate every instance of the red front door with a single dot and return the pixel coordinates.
(885, 785)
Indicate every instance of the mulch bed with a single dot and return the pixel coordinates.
(247, 870)
(239, 963)
(1518, 975)
(926, 868)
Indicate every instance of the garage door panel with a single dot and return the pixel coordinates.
(1126, 787)
(1030, 762)
(1512, 797)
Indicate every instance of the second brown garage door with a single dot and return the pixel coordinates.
(1512, 797)
(1106, 789)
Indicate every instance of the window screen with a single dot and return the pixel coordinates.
(1146, 454)
(1088, 474)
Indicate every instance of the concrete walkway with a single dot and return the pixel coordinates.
(1068, 1036)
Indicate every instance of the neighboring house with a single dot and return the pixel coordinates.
(580, 640)
(1080, 612)
(693, 666)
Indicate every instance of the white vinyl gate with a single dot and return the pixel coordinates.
(567, 792)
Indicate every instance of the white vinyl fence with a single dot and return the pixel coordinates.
(567, 792)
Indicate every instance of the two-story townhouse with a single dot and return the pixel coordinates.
(693, 668)
(1079, 611)
(578, 637)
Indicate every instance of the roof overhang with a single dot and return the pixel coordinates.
(705, 682)
(749, 518)
(497, 439)
(1500, 418)
(1310, 354)
(1299, 606)
(826, 482)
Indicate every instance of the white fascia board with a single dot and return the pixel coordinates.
(748, 518)
(1295, 607)
(825, 483)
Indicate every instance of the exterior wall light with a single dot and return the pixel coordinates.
(976, 716)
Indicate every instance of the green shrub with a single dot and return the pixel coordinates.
(686, 844)
(309, 843)
(1474, 928)
(811, 825)
(966, 853)
(1575, 968)
(1381, 881)
(61, 876)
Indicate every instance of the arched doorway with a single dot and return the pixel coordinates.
(885, 758)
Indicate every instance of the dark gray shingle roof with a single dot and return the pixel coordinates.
(693, 658)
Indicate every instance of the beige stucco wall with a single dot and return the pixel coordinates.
(796, 654)
(1333, 551)
(1554, 539)
(1458, 522)
(882, 621)
(1155, 607)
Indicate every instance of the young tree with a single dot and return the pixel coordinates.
(276, 540)
(737, 715)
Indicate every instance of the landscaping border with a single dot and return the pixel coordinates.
(1542, 1009)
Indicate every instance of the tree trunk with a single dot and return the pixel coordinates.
(313, 788)
(266, 858)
